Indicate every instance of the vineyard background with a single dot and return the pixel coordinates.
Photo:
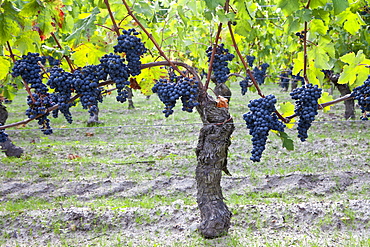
(131, 181)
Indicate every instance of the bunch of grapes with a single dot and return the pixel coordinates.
(260, 120)
(53, 61)
(86, 81)
(118, 72)
(169, 92)
(38, 106)
(284, 80)
(30, 70)
(62, 83)
(306, 107)
(260, 74)
(250, 60)
(132, 46)
(3, 135)
(362, 95)
(220, 62)
(244, 85)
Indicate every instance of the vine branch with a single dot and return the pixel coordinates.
(191, 69)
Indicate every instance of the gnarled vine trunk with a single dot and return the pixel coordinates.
(211, 151)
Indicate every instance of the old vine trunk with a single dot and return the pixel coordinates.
(211, 151)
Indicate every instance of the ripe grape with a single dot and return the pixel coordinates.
(39, 106)
(169, 92)
(306, 107)
(362, 95)
(62, 83)
(220, 62)
(244, 85)
(250, 60)
(29, 69)
(132, 46)
(86, 81)
(260, 74)
(119, 73)
(260, 120)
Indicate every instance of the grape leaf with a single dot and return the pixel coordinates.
(287, 109)
(4, 67)
(340, 6)
(287, 141)
(325, 97)
(288, 7)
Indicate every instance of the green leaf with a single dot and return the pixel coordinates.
(31, 9)
(5, 29)
(340, 6)
(317, 3)
(318, 26)
(320, 57)
(287, 141)
(213, 4)
(352, 21)
(243, 28)
(84, 26)
(288, 6)
(12, 13)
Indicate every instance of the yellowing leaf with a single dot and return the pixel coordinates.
(287, 109)
(4, 67)
(325, 97)
(86, 54)
(147, 76)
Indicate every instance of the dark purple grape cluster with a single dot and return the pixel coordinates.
(362, 95)
(250, 60)
(260, 74)
(39, 106)
(220, 62)
(300, 34)
(284, 80)
(63, 84)
(3, 135)
(86, 81)
(53, 61)
(30, 70)
(169, 92)
(306, 107)
(118, 72)
(132, 46)
(260, 120)
(244, 85)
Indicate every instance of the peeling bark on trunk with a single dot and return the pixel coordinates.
(211, 151)
(223, 90)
